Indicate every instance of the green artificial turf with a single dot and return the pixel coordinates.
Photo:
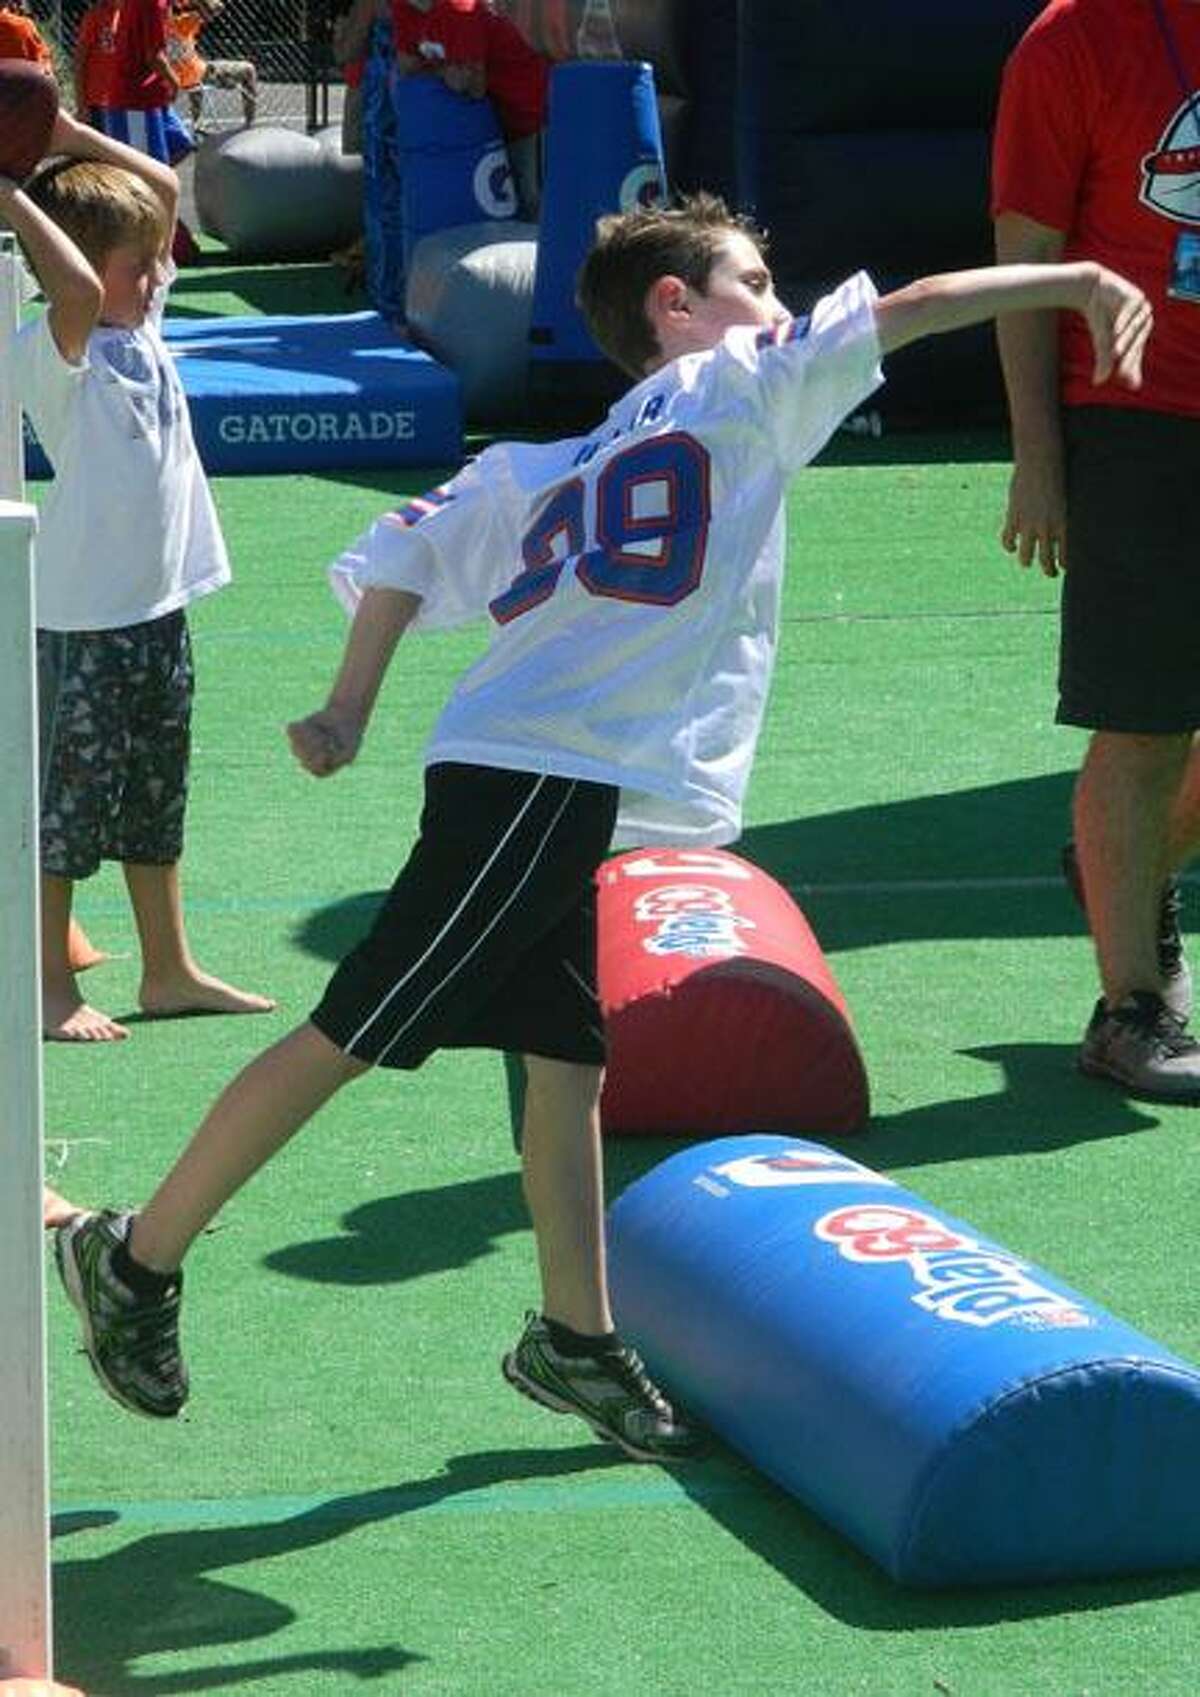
(216, 288)
(354, 1499)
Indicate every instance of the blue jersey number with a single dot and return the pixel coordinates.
(650, 521)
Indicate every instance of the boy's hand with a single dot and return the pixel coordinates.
(1120, 319)
(325, 740)
(468, 79)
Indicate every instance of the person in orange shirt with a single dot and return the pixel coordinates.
(20, 37)
(185, 20)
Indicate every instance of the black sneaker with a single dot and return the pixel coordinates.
(612, 1392)
(131, 1341)
(1144, 1046)
(1173, 966)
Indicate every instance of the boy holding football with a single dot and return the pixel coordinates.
(632, 577)
(128, 539)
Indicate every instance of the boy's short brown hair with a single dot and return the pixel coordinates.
(632, 250)
(100, 206)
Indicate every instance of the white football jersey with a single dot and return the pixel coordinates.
(633, 644)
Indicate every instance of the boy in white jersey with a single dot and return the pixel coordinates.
(128, 538)
(632, 577)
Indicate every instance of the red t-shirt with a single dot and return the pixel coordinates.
(95, 49)
(517, 77)
(141, 35)
(462, 32)
(1095, 136)
(450, 33)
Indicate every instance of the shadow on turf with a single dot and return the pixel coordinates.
(411, 1234)
(1044, 1104)
(996, 832)
(976, 839)
(418, 1232)
(282, 290)
(154, 1596)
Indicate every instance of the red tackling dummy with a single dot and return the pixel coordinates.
(28, 108)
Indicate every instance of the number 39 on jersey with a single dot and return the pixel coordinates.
(637, 532)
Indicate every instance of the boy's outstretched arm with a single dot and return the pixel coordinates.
(330, 737)
(1118, 314)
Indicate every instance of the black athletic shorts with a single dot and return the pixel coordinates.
(487, 938)
(1129, 653)
(114, 723)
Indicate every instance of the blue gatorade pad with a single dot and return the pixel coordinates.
(277, 394)
(604, 153)
(961, 1415)
(452, 164)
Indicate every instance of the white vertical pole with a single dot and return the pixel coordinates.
(25, 1642)
(25, 1629)
(12, 481)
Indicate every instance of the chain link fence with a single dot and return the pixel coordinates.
(289, 44)
(285, 40)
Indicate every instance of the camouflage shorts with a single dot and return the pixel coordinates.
(114, 709)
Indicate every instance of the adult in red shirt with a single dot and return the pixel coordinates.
(1097, 155)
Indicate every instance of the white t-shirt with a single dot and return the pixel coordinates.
(636, 646)
(127, 531)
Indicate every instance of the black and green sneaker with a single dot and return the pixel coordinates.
(611, 1391)
(131, 1340)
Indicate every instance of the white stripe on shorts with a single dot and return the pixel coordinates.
(416, 966)
(489, 927)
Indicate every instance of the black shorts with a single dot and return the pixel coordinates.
(1131, 593)
(487, 938)
(114, 721)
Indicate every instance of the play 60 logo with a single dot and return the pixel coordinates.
(957, 1278)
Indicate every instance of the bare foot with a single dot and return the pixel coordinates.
(56, 1210)
(81, 951)
(67, 1018)
(198, 992)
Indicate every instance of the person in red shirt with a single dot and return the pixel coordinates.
(142, 83)
(20, 37)
(1096, 155)
(95, 61)
(476, 52)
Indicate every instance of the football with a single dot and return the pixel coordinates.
(28, 108)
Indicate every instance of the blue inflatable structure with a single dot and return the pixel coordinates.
(382, 192)
(604, 154)
(453, 164)
(962, 1416)
(309, 393)
(432, 160)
